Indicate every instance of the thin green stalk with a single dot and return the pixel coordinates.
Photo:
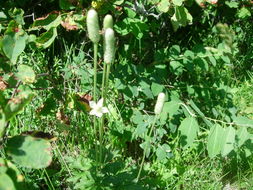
(107, 80)
(104, 80)
(145, 149)
(95, 96)
(95, 71)
(101, 126)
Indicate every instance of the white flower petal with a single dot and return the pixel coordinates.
(100, 102)
(99, 114)
(93, 112)
(92, 104)
(105, 110)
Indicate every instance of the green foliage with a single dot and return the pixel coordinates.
(30, 152)
(198, 53)
(214, 140)
(189, 129)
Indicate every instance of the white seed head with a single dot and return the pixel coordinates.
(93, 26)
(159, 103)
(109, 46)
(108, 22)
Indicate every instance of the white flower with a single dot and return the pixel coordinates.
(98, 109)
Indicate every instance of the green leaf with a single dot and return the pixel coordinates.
(163, 6)
(14, 42)
(232, 4)
(26, 74)
(6, 183)
(17, 15)
(242, 135)
(146, 146)
(29, 152)
(214, 140)
(47, 38)
(189, 128)
(243, 121)
(50, 21)
(228, 141)
(202, 63)
(195, 107)
(244, 13)
(156, 88)
(171, 107)
(163, 152)
(16, 104)
(181, 17)
(177, 2)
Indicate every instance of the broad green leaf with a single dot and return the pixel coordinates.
(232, 4)
(50, 21)
(214, 140)
(163, 152)
(228, 141)
(181, 17)
(244, 13)
(177, 2)
(163, 6)
(29, 152)
(242, 135)
(17, 103)
(14, 42)
(243, 121)
(156, 88)
(6, 183)
(47, 38)
(202, 63)
(189, 128)
(26, 74)
(171, 107)
(195, 107)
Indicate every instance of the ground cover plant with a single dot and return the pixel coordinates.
(120, 94)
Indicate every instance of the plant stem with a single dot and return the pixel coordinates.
(94, 95)
(107, 80)
(95, 71)
(106, 73)
(145, 148)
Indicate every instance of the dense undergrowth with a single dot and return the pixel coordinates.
(196, 53)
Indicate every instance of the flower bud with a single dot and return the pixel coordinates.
(108, 22)
(93, 26)
(109, 45)
(159, 103)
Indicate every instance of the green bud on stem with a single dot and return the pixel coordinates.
(108, 22)
(159, 103)
(93, 26)
(109, 46)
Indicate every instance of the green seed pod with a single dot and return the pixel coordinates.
(159, 103)
(109, 45)
(93, 26)
(108, 22)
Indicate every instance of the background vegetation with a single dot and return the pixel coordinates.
(197, 52)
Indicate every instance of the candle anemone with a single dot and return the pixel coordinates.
(159, 103)
(93, 26)
(108, 22)
(109, 45)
